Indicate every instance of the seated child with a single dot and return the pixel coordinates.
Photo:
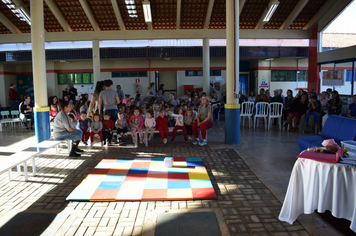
(84, 106)
(73, 121)
(150, 124)
(156, 111)
(53, 112)
(84, 124)
(108, 126)
(121, 126)
(162, 125)
(170, 117)
(188, 121)
(136, 123)
(179, 123)
(96, 127)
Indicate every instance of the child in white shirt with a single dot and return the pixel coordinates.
(150, 124)
(179, 123)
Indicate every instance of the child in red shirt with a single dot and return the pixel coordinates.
(53, 112)
(162, 126)
(108, 126)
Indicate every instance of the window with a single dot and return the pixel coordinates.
(75, 78)
(289, 75)
(200, 73)
(129, 74)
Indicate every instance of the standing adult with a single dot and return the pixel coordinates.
(62, 129)
(26, 112)
(66, 93)
(13, 97)
(204, 121)
(120, 93)
(212, 91)
(160, 93)
(73, 93)
(94, 102)
(109, 99)
(151, 90)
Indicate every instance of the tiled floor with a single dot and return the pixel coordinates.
(250, 179)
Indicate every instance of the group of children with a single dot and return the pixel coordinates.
(131, 118)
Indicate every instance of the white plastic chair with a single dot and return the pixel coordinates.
(246, 111)
(275, 112)
(262, 110)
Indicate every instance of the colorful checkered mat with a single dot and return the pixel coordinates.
(145, 179)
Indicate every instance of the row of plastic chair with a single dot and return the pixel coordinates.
(10, 118)
(263, 110)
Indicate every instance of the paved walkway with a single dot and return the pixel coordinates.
(245, 206)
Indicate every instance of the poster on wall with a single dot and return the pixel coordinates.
(333, 78)
(25, 86)
(263, 84)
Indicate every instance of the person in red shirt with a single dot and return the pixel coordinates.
(13, 97)
(162, 126)
(108, 126)
(53, 112)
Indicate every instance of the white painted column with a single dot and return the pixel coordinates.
(96, 61)
(237, 50)
(4, 93)
(230, 52)
(38, 54)
(206, 66)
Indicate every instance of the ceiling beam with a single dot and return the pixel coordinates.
(242, 4)
(118, 15)
(89, 14)
(157, 34)
(208, 14)
(62, 21)
(8, 24)
(295, 12)
(179, 9)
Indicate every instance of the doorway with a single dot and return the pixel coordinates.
(169, 79)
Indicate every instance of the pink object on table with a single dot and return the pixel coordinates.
(323, 157)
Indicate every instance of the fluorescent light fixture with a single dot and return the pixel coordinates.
(147, 11)
(271, 10)
(132, 12)
(18, 11)
(24, 16)
(130, 2)
(269, 59)
(130, 7)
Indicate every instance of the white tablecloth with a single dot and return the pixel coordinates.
(320, 186)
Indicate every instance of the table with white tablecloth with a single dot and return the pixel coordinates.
(320, 186)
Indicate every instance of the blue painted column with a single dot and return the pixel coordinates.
(232, 108)
(41, 115)
(42, 126)
(232, 123)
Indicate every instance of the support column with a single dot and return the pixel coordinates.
(313, 71)
(96, 61)
(232, 108)
(41, 114)
(206, 66)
